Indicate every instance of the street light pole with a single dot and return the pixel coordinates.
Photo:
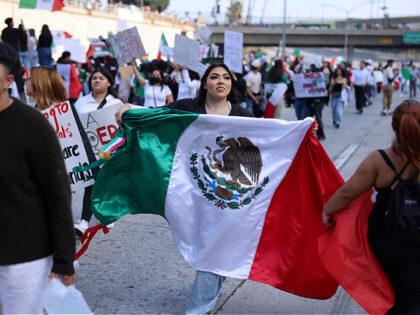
(283, 41)
(346, 38)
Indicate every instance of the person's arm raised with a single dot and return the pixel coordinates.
(139, 78)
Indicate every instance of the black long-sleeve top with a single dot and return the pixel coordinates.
(35, 197)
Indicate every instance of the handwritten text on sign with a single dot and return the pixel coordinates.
(61, 118)
(100, 126)
(127, 45)
(309, 85)
(232, 53)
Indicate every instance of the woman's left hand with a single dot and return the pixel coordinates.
(118, 114)
(315, 129)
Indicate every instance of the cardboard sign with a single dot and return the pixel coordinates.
(61, 118)
(127, 45)
(100, 126)
(309, 85)
(232, 53)
(186, 52)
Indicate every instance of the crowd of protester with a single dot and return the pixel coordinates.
(156, 83)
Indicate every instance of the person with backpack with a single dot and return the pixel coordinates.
(394, 223)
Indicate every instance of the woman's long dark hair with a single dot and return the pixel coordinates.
(108, 76)
(233, 97)
(276, 73)
(46, 31)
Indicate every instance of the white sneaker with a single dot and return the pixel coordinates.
(111, 225)
(81, 227)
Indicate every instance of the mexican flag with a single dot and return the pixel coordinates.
(70, 78)
(243, 196)
(50, 5)
(274, 99)
(163, 43)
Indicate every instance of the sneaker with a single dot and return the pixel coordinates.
(389, 112)
(384, 112)
(81, 227)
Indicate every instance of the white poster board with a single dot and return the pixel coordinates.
(77, 51)
(309, 85)
(127, 45)
(100, 126)
(311, 60)
(204, 34)
(232, 52)
(122, 25)
(186, 52)
(61, 118)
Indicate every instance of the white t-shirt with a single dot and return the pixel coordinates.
(88, 104)
(388, 74)
(253, 81)
(360, 77)
(155, 96)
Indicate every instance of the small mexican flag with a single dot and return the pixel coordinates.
(49, 5)
(70, 79)
(163, 43)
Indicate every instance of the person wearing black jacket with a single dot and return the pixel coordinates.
(44, 47)
(37, 240)
(10, 34)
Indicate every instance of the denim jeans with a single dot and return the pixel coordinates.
(204, 293)
(33, 58)
(337, 109)
(45, 58)
(24, 60)
(301, 108)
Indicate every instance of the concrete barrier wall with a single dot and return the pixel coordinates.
(84, 24)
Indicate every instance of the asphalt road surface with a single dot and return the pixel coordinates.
(136, 268)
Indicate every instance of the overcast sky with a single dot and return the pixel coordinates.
(305, 9)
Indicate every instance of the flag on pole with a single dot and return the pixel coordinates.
(243, 196)
(163, 43)
(70, 78)
(49, 5)
(274, 100)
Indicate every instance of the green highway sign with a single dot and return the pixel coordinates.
(411, 38)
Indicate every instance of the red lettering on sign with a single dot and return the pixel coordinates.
(102, 134)
(112, 130)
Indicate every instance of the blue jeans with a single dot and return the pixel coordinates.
(24, 60)
(45, 58)
(250, 105)
(337, 109)
(140, 100)
(34, 58)
(301, 108)
(204, 293)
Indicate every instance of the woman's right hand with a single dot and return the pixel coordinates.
(118, 114)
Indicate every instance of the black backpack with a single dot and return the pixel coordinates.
(402, 216)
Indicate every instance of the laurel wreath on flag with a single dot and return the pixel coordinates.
(211, 197)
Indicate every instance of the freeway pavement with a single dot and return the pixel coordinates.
(136, 268)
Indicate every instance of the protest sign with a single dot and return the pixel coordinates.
(100, 49)
(100, 126)
(61, 118)
(167, 52)
(204, 34)
(311, 60)
(127, 45)
(122, 25)
(232, 52)
(126, 73)
(77, 51)
(309, 85)
(186, 52)
(204, 51)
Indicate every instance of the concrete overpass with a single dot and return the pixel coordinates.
(315, 38)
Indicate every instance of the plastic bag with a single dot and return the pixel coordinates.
(59, 299)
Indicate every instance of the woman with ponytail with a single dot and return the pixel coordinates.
(382, 169)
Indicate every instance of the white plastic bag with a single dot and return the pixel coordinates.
(59, 299)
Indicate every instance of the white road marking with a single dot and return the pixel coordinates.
(342, 158)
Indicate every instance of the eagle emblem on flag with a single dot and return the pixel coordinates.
(228, 175)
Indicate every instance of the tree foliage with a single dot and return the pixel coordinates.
(234, 12)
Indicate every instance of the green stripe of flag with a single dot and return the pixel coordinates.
(28, 4)
(139, 172)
